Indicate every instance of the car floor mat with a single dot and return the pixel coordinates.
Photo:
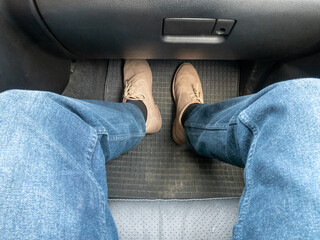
(157, 167)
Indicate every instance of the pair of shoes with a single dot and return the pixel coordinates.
(186, 89)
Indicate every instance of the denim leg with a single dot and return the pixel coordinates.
(53, 151)
(274, 135)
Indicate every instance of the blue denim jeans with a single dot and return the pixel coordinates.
(275, 136)
(53, 151)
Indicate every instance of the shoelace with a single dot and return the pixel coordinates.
(127, 95)
(197, 94)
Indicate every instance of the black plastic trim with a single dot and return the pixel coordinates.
(28, 18)
(133, 28)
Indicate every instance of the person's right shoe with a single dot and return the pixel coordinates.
(186, 90)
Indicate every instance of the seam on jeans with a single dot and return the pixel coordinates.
(236, 140)
(102, 201)
(91, 146)
(214, 127)
(115, 138)
(244, 118)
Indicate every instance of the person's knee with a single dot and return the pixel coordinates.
(23, 95)
(23, 102)
(298, 86)
(26, 98)
(287, 102)
(297, 92)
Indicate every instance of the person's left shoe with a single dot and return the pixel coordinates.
(138, 87)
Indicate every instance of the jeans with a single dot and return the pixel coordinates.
(53, 151)
(275, 136)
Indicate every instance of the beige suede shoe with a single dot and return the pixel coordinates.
(186, 89)
(138, 86)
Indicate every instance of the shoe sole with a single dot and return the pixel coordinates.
(160, 124)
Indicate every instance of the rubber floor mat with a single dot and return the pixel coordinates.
(157, 167)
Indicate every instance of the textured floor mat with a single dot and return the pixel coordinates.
(158, 168)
